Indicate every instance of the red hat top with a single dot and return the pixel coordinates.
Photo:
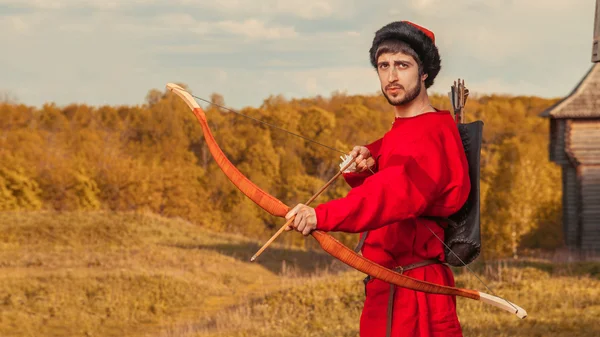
(424, 30)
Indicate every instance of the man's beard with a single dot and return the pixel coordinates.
(408, 97)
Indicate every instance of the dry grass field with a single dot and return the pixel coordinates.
(109, 274)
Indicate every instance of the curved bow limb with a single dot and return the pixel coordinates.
(260, 197)
(332, 246)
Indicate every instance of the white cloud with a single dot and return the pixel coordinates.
(175, 23)
(309, 9)
(256, 29)
(426, 5)
(23, 25)
(353, 80)
(19, 25)
(492, 85)
(63, 4)
(305, 9)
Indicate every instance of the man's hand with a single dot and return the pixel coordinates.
(305, 221)
(362, 158)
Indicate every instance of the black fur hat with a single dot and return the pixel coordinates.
(420, 39)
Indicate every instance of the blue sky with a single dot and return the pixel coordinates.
(113, 52)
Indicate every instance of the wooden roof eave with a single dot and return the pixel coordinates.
(565, 101)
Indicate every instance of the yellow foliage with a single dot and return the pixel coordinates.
(18, 190)
(153, 157)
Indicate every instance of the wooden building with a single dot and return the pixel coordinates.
(575, 145)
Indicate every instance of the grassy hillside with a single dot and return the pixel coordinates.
(565, 306)
(102, 274)
(107, 274)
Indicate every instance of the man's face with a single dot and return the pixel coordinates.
(399, 77)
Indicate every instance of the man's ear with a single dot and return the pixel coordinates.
(424, 77)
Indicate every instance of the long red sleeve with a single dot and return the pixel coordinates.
(402, 190)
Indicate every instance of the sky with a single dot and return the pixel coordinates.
(114, 52)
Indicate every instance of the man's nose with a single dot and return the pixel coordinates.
(393, 75)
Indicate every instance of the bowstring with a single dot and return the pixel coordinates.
(469, 269)
(274, 126)
(271, 125)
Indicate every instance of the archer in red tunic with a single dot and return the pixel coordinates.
(418, 168)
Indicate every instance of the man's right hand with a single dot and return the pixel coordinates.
(362, 158)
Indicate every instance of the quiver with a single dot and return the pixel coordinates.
(463, 234)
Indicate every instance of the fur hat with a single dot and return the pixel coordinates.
(420, 39)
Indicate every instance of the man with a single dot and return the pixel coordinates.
(420, 169)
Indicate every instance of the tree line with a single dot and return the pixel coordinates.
(152, 157)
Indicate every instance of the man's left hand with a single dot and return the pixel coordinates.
(305, 221)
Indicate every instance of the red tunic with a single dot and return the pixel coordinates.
(421, 169)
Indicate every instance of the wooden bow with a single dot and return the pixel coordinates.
(332, 246)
